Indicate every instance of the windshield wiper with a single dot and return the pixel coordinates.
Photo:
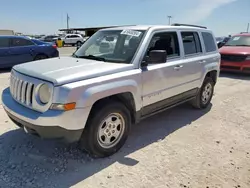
(74, 55)
(242, 45)
(92, 57)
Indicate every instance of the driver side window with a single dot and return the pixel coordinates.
(167, 41)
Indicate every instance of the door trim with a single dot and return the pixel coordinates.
(169, 102)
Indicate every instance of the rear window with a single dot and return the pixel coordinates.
(38, 42)
(21, 42)
(209, 42)
(4, 42)
(191, 43)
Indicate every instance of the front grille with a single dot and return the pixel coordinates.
(233, 58)
(230, 67)
(21, 91)
(246, 69)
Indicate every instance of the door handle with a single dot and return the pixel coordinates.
(202, 61)
(178, 67)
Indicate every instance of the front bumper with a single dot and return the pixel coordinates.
(235, 66)
(67, 125)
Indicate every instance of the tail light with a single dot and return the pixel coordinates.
(54, 46)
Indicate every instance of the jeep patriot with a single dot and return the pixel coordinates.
(94, 96)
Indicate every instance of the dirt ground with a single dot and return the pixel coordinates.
(181, 147)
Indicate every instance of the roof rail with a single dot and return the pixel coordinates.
(178, 24)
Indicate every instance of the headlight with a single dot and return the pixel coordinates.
(44, 93)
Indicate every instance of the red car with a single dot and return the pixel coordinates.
(235, 54)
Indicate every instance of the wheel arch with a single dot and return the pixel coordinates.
(212, 74)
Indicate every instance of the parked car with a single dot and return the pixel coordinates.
(18, 49)
(235, 54)
(94, 98)
(73, 39)
(49, 38)
(221, 41)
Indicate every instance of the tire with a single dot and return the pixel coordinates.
(201, 102)
(40, 57)
(99, 127)
(79, 43)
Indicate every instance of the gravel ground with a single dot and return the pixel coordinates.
(181, 147)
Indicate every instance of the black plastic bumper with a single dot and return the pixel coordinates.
(48, 132)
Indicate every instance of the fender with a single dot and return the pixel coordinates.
(95, 93)
(208, 68)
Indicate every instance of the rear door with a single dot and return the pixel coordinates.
(193, 58)
(67, 39)
(211, 57)
(21, 50)
(5, 60)
(75, 39)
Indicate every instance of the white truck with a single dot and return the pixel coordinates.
(94, 98)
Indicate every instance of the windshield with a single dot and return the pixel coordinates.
(239, 41)
(219, 39)
(117, 46)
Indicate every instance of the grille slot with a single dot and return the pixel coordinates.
(233, 58)
(230, 67)
(21, 91)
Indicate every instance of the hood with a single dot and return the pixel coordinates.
(65, 70)
(243, 50)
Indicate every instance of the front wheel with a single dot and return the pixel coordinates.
(204, 95)
(107, 129)
(40, 57)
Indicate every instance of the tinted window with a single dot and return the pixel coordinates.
(75, 36)
(191, 43)
(209, 42)
(165, 41)
(4, 42)
(21, 42)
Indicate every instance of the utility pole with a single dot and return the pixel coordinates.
(169, 20)
(248, 27)
(67, 21)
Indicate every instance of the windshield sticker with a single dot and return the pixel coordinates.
(131, 33)
(236, 38)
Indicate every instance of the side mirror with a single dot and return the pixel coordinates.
(219, 44)
(156, 57)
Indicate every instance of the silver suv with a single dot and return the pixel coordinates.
(94, 97)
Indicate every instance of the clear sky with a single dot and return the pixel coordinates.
(47, 16)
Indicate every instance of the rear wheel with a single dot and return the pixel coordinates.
(204, 95)
(40, 56)
(79, 43)
(107, 129)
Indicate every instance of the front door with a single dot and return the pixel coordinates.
(21, 50)
(168, 83)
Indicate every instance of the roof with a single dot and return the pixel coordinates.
(146, 27)
(135, 27)
(243, 34)
(87, 28)
(13, 36)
